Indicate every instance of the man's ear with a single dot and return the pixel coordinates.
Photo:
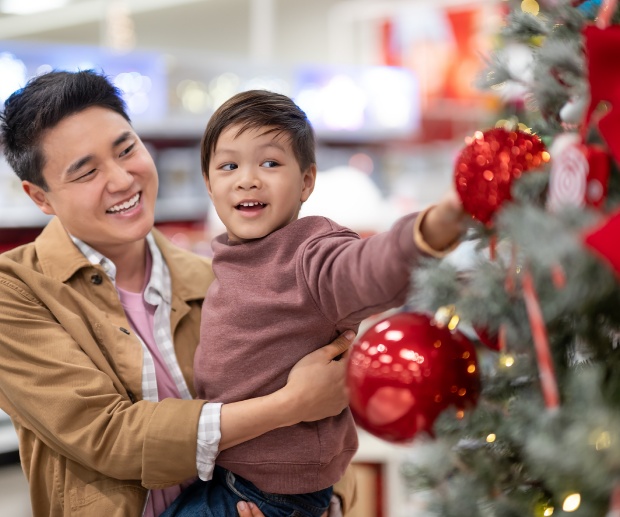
(309, 179)
(39, 196)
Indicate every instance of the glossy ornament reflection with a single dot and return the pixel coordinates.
(404, 371)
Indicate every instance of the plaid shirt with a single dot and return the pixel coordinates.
(158, 292)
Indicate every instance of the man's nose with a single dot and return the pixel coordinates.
(119, 178)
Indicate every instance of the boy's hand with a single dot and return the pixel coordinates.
(444, 223)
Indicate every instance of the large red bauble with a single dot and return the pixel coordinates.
(488, 164)
(404, 371)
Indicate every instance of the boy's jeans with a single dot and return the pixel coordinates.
(219, 498)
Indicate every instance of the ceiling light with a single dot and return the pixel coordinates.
(31, 6)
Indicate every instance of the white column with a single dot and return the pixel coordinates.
(262, 30)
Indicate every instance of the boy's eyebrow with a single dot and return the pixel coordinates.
(79, 163)
(273, 143)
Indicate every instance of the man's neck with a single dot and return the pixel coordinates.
(130, 262)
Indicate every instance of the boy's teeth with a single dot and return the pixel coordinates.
(127, 204)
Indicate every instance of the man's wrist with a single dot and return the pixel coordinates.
(287, 407)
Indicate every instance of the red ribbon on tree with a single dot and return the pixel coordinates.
(605, 13)
(546, 369)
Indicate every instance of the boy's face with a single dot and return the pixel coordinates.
(102, 182)
(256, 183)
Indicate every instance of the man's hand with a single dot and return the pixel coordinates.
(251, 510)
(317, 385)
(248, 510)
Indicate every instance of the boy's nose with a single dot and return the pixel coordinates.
(248, 179)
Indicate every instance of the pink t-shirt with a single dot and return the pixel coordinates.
(140, 316)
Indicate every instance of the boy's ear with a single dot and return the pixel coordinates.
(208, 184)
(309, 179)
(39, 196)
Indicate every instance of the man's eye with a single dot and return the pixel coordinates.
(128, 150)
(229, 166)
(270, 163)
(86, 175)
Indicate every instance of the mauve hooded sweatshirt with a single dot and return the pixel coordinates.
(273, 301)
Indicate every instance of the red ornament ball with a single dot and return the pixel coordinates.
(487, 166)
(404, 371)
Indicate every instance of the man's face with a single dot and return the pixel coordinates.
(255, 182)
(102, 182)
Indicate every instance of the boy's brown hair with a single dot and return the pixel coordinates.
(255, 109)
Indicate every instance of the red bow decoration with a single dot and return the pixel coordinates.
(603, 59)
(603, 239)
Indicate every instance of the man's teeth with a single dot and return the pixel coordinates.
(126, 205)
(252, 203)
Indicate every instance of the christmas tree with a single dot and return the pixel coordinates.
(540, 291)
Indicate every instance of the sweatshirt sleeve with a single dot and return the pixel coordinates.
(350, 278)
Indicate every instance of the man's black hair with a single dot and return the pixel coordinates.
(40, 105)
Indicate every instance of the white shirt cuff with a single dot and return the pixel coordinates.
(335, 507)
(209, 435)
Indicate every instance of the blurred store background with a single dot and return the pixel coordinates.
(388, 85)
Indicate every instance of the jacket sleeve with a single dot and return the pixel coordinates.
(68, 395)
(346, 490)
(350, 278)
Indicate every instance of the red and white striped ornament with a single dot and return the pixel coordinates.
(579, 174)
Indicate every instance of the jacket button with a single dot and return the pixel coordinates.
(96, 279)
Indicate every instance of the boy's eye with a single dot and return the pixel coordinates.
(270, 163)
(229, 167)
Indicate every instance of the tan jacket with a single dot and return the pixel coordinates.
(71, 377)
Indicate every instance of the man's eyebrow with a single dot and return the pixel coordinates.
(78, 164)
(125, 135)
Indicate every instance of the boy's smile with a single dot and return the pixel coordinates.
(256, 183)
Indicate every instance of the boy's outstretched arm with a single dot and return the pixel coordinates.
(439, 228)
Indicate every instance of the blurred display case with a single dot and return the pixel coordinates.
(8, 437)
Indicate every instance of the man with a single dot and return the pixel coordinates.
(100, 321)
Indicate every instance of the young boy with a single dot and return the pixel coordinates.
(271, 269)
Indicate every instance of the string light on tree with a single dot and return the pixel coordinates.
(530, 6)
(572, 502)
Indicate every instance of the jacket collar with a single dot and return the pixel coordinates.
(60, 259)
